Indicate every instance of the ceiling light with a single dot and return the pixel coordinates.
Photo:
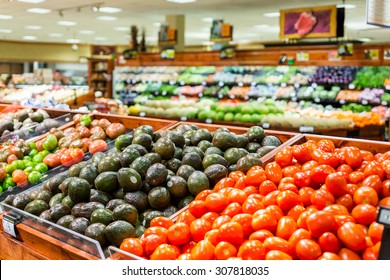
(151, 38)
(346, 6)
(38, 11)
(87, 32)
(33, 27)
(73, 41)
(101, 39)
(32, 1)
(207, 19)
(181, 1)
(75, 47)
(56, 35)
(30, 38)
(157, 24)
(109, 10)
(5, 31)
(273, 14)
(5, 17)
(121, 28)
(95, 9)
(261, 26)
(66, 23)
(107, 18)
(365, 39)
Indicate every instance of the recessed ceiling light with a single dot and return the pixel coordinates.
(109, 10)
(56, 35)
(261, 26)
(207, 19)
(32, 1)
(38, 11)
(101, 39)
(33, 27)
(365, 39)
(273, 14)
(87, 32)
(121, 28)
(66, 23)
(29, 38)
(73, 41)
(181, 1)
(107, 18)
(5, 31)
(346, 6)
(5, 17)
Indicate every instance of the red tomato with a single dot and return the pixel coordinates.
(273, 172)
(232, 209)
(251, 205)
(210, 217)
(375, 232)
(288, 187)
(250, 190)
(161, 231)
(385, 192)
(347, 254)
(305, 194)
(179, 234)
(235, 175)
(336, 209)
(287, 199)
(301, 222)
(320, 222)
(187, 248)
(318, 174)
(52, 160)
(204, 250)
(224, 183)
(356, 177)
(231, 232)
(83, 131)
(352, 236)
(152, 241)
(367, 156)
(298, 235)
(39, 144)
(296, 211)
(165, 252)
(329, 242)
(72, 156)
(374, 168)
(289, 171)
(286, 227)
(353, 157)
(351, 188)
(321, 198)
(275, 211)
(308, 249)
(260, 235)
(198, 229)
(385, 202)
(373, 181)
(270, 199)
(104, 123)
(197, 208)
(251, 250)
(115, 129)
(184, 257)
(19, 177)
(301, 153)
(240, 183)
(98, 146)
(161, 222)
(365, 195)
(342, 219)
(347, 201)
(309, 165)
(11, 158)
(245, 220)
(277, 243)
(95, 129)
(254, 177)
(218, 222)
(369, 254)
(336, 184)
(364, 214)
(329, 159)
(345, 168)
(264, 220)
(238, 196)
(185, 217)
(277, 255)
(302, 179)
(132, 246)
(326, 146)
(224, 250)
(216, 202)
(284, 157)
(212, 236)
(329, 256)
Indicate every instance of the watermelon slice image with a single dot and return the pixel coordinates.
(305, 23)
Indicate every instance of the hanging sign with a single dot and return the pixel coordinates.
(378, 12)
(221, 32)
(167, 36)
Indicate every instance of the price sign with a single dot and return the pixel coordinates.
(221, 84)
(240, 84)
(231, 96)
(253, 84)
(164, 93)
(342, 101)
(204, 83)
(209, 121)
(142, 114)
(182, 83)
(351, 86)
(200, 94)
(296, 85)
(133, 81)
(384, 103)
(306, 129)
(266, 125)
(317, 100)
(246, 97)
(274, 97)
(220, 95)
(172, 82)
(283, 85)
(364, 102)
(9, 225)
(294, 99)
(183, 118)
(383, 218)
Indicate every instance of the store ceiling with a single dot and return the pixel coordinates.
(247, 17)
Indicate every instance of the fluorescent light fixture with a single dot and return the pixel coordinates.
(107, 18)
(56, 35)
(365, 39)
(121, 28)
(346, 6)
(87, 32)
(38, 11)
(32, 1)
(109, 10)
(100, 39)
(207, 43)
(29, 38)
(66, 23)
(272, 14)
(6, 17)
(73, 41)
(33, 27)
(207, 19)
(261, 26)
(181, 1)
(5, 31)
(157, 24)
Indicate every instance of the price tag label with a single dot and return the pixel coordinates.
(240, 84)
(133, 81)
(364, 102)
(306, 129)
(384, 216)
(266, 125)
(183, 119)
(294, 99)
(172, 82)
(384, 103)
(313, 85)
(253, 84)
(143, 81)
(317, 100)
(246, 97)
(209, 121)
(283, 85)
(164, 93)
(220, 96)
(182, 83)
(351, 86)
(296, 85)
(231, 96)
(200, 94)
(9, 225)
(342, 101)
(142, 114)
(204, 83)
(221, 84)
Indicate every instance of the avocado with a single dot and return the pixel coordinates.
(109, 164)
(102, 215)
(198, 182)
(56, 199)
(145, 187)
(36, 207)
(36, 117)
(222, 129)
(271, 140)
(75, 169)
(215, 173)
(126, 212)
(33, 194)
(21, 200)
(97, 157)
(65, 221)
(87, 209)
(156, 175)
(138, 199)
(128, 156)
(192, 159)
(182, 128)
(159, 198)
(79, 190)
(245, 163)
(143, 139)
(185, 171)
(76, 209)
(232, 155)
(66, 200)
(255, 134)
(173, 164)
(192, 149)
(10, 198)
(99, 196)
(177, 187)
(123, 141)
(148, 129)
(89, 173)
(117, 231)
(139, 231)
(119, 193)
(141, 150)
(45, 215)
(141, 165)
(265, 150)
(199, 135)
(187, 136)
(44, 195)
(114, 153)
(214, 159)
(165, 148)
(242, 140)
(59, 210)
(213, 150)
(176, 138)
(232, 168)
(107, 182)
(64, 186)
(96, 231)
(178, 153)
(114, 203)
(150, 216)
(185, 201)
(252, 147)
(153, 157)
(170, 210)
(129, 179)
(204, 145)
(79, 225)
(52, 184)
(224, 140)
(141, 217)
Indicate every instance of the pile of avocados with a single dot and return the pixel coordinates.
(115, 195)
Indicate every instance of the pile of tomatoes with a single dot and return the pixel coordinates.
(314, 201)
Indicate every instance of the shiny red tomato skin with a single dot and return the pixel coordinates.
(352, 236)
(320, 222)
